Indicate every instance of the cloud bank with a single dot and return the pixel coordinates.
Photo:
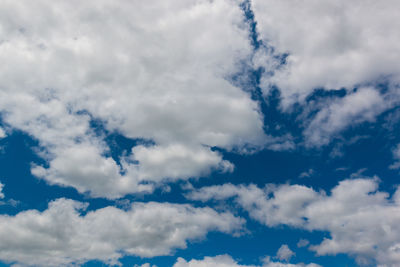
(62, 235)
(227, 261)
(361, 220)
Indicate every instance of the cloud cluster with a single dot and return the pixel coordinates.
(360, 106)
(62, 234)
(331, 44)
(227, 261)
(361, 220)
(161, 74)
(154, 71)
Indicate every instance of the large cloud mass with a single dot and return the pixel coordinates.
(330, 44)
(362, 221)
(156, 71)
(61, 235)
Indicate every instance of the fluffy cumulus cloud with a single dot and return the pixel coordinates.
(362, 221)
(284, 253)
(154, 71)
(360, 106)
(227, 261)
(62, 235)
(330, 44)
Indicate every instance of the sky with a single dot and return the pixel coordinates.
(200, 133)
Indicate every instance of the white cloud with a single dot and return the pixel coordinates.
(303, 243)
(396, 156)
(331, 44)
(1, 190)
(2, 133)
(362, 221)
(284, 253)
(306, 174)
(61, 235)
(176, 161)
(103, 177)
(269, 263)
(227, 261)
(217, 261)
(155, 71)
(145, 265)
(357, 107)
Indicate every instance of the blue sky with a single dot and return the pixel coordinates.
(199, 133)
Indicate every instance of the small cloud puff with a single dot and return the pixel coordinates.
(1, 190)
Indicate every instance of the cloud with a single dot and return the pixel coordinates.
(227, 261)
(2, 133)
(269, 263)
(217, 261)
(83, 167)
(284, 253)
(306, 174)
(8, 202)
(1, 190)
(62, 234)
(363, 105)
(147, 71)
(396, 156)
(303, 243)
(362, 221)
(331, 44)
